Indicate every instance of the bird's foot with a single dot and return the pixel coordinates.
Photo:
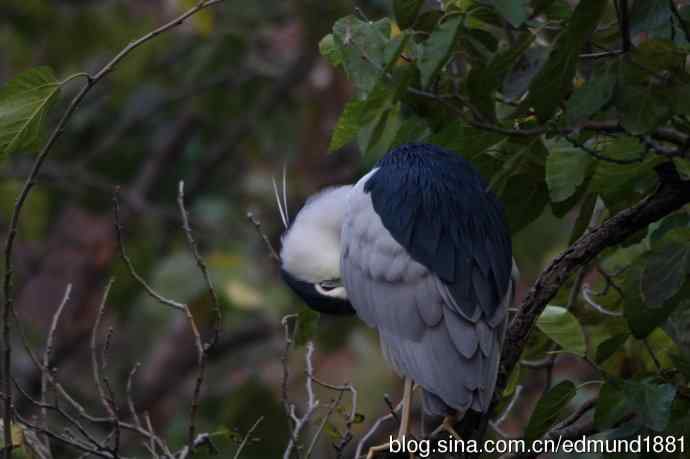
(377, 449)
(447, 426)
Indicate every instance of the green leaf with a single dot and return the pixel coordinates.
(611, 405)
(555, 79)
(566, 168)
(376, 138)
(561, 326)
(484, 80)
(610, 346)
(682, 167)
(329, 50)
(515, 12)
(437, 48)
(642, 319)
(590, 98)
(413, 129)
(363, 48)
(348, 124)
(465, 139)
(641, 109)
(665, 272)
(611, 178)
(682, 363)
(406, 11)
(307, 326)
(525, 199)
(549, 409)
(24, 103)
(651, 401)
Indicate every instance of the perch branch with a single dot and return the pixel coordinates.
(672, 194)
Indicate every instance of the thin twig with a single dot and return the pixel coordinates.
(8, 280)
(246, 438)
(48, 353)
(130, 397)
(201, 264)
(264, 236)
(130, 267)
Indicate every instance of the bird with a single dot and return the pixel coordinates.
(420, 250)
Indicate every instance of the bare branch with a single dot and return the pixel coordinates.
(246, 438)
(47, 354)
(264, 237)
(130, 267)
(8, 280)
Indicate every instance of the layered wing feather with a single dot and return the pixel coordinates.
(440, 320)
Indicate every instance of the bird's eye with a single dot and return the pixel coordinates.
(330, 284)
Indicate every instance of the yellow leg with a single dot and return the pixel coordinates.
(376, 449)
(447, 426)
(406, 409)
(404, 420)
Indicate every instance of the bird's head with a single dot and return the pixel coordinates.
(310, 252)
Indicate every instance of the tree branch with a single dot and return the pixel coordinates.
(672, 194)
(8, 287)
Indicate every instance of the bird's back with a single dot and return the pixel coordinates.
(426, 259)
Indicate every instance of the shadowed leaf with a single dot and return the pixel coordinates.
(549, 409)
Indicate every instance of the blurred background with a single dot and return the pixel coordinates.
(222, 103)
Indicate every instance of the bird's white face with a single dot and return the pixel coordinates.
(310, 252)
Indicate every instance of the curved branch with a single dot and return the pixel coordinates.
(672, 194)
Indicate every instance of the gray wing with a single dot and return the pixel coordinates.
(424, 334)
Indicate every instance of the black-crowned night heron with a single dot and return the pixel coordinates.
(419, 249)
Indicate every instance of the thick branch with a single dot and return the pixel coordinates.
(670, 196)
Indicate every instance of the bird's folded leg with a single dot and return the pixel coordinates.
(447, 426)
(404, 420)
(406, 409)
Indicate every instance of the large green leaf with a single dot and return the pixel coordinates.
(651, 401)
(348, 124)
(331, 51)
(464, 139)
(555, 79)
(549, 409)
(590, 98)
(437, 48)
(610, 346)
(611, 178)
(611, 405)
(484, 80)
(515, 12)
(641, 318)
(666, 271)
(406, 11)
(561, 326)
(641, 109)
(365, 48)
(525, 199)
(24, 103)
(566, 168)
(359, 113)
